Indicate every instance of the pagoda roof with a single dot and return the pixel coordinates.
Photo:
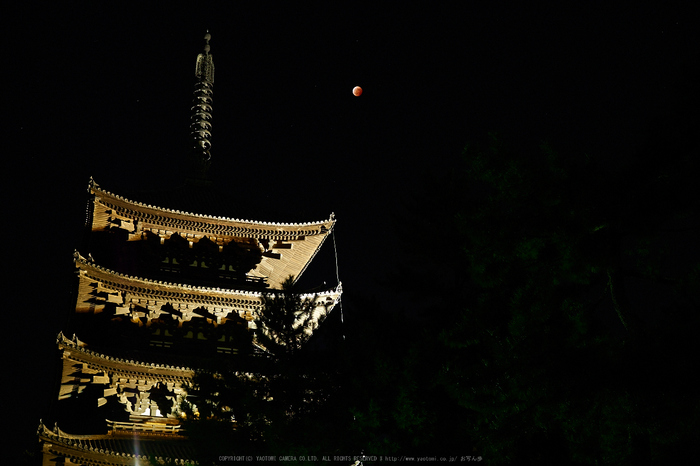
(110, 449)
(99, 286)
(131, 383)
(237, 227)
(287, 247)
(127, 382)
(79, 352)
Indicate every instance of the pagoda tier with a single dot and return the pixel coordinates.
(117, 448)
(149, 392)
(144, 301)
(246, 252)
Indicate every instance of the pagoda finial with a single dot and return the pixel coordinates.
(205, 65)
(200, 128)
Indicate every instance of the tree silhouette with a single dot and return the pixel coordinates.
(549, 347)
(548, 322)
(287, 321)
(261, 406)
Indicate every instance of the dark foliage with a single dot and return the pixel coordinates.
(549, 322)
(277, 406)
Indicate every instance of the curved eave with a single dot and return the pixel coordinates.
(238, 227)
(105, 450)
(288, 248)
(80, 353)
(192, 291)
(99, 286)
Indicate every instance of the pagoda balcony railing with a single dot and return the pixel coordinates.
(149, 428)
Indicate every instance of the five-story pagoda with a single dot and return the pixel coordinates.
(159, 290)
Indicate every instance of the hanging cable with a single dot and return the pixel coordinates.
(337, 277)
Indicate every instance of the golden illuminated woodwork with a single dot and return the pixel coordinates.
(287, 248)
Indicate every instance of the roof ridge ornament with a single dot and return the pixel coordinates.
(200, 126)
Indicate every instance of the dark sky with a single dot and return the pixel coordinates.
(106, 91)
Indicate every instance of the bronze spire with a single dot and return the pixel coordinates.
(200, 128)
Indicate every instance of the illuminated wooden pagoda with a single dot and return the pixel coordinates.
(160, 290)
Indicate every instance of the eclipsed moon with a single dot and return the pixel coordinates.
(357, 91)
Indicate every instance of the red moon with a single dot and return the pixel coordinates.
(357, 91)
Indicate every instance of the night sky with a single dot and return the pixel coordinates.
(106, 92)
